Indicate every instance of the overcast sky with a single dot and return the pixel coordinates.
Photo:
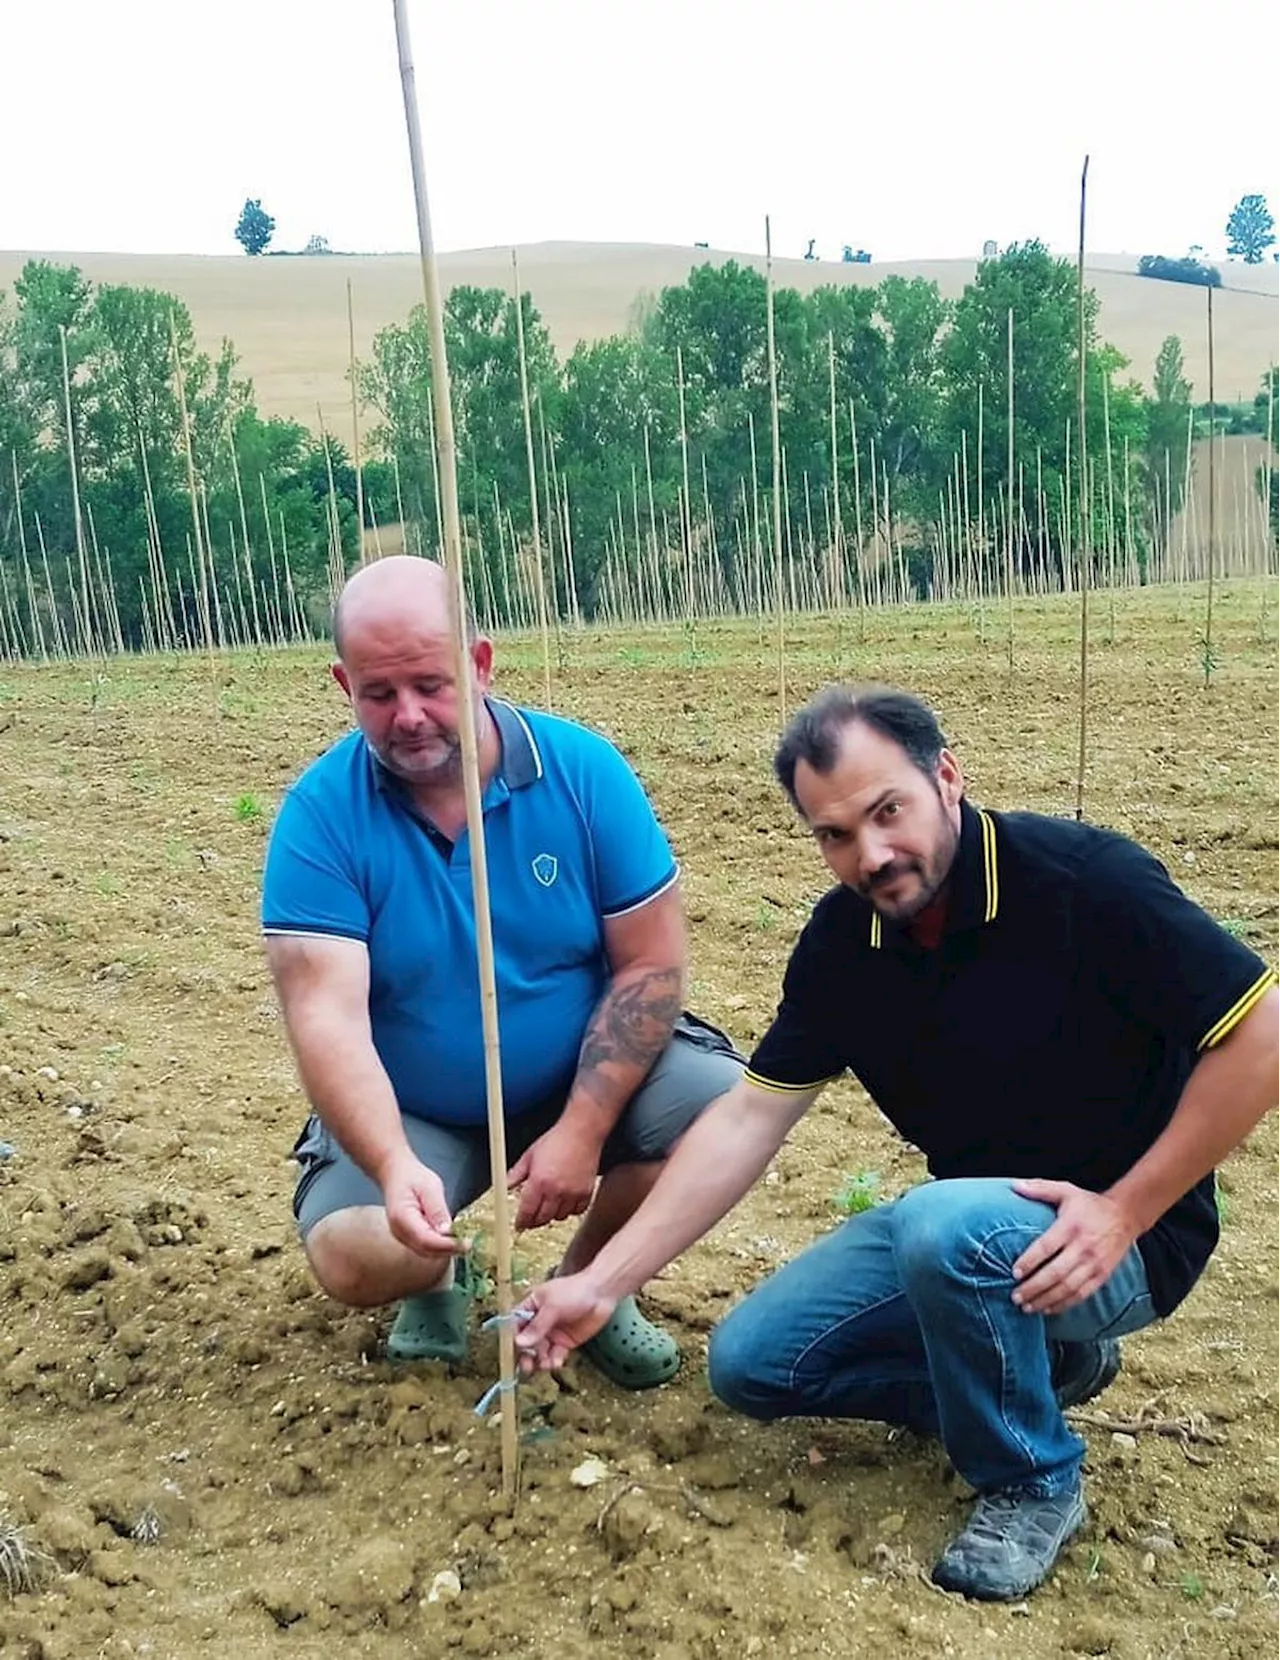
(915, 128)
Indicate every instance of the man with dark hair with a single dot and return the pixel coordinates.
(1072, 1043)
(367, 910)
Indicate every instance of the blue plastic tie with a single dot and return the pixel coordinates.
(504, 1386)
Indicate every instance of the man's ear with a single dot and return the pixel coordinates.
(950, 780)
(341, 676)
(481, 654)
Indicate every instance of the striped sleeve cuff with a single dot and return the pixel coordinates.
(776, 1088)
(1238, 1010)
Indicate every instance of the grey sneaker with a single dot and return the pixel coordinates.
(1079, 1371)
(1011, 1542)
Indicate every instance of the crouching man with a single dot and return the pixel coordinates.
(370, 927)
(1073, 1044)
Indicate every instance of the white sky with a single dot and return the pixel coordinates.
(914, 128)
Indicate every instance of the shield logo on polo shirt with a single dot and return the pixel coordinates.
(546, 867)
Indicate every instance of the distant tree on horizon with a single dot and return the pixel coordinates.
(255, 227)
(1251, 230)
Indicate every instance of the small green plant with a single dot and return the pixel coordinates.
(859, 1191)
(1236, 926)
(1209, 655)
(1094, 1570)
(106, 884)
(1191, 1586)
(248, 808)
(766, 918)
(693, 655)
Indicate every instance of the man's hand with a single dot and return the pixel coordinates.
(556, 1177)
(416, 1210)
(1077, 1254)
(566, 1312)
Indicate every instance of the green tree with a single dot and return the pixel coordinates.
(1041, 294)
(255, 227)
(1250, 230)
(1168, 435)
(484, 370)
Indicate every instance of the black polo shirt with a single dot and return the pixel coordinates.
(1050, 1033)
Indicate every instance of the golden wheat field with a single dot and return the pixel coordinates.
(288, 317)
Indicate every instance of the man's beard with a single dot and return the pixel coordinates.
(931, 873)
(441, 763)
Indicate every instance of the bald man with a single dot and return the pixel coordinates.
(370, 932)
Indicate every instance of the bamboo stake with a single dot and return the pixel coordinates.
(1268, 471)
(244, 537)
(1111, 511)
(33, 609)
(75, 496)
(1084, 517)
(533, 482)
(837, 532)
(203, 590)
(271, 552)
(686, 518)
(355, 425)
(61, 644)
(777, 468)
(1008, 517)
(859, 569)
(470, 759)
(1208, 612)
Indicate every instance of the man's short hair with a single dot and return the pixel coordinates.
(813, 733)
(336, 622)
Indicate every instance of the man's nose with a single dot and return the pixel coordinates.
(408, 712)
(875, 853)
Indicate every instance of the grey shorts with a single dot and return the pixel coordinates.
(698, 1064)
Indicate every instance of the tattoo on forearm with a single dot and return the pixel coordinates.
(633, 1024)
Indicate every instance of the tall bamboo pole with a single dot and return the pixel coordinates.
(1268, 471)
(198, 544)
(355, 425)
(1008, 516)
(75, 497)
(470, 754)
(686, 517)
(777, 469)
(1213, 494)
(1084, 515)
(837, 534)
(33, 609)
(533, 481)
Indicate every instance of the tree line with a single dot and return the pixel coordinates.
(145, 502)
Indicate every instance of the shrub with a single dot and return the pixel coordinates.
(1187, 269)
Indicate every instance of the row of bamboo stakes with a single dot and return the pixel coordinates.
(653, 571)
(770, 563)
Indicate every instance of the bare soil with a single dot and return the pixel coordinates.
(204, 1456)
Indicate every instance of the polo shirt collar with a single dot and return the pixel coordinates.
(521, 760)
(973, 897)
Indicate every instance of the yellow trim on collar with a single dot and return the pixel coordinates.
(1236, 1013)
(875, 930)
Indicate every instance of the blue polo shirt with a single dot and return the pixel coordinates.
(571, 841)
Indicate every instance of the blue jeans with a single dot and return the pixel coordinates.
(904, 1314)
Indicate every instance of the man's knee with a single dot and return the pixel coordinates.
(735, 1371)
(348, 1251)
(948, 1225)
